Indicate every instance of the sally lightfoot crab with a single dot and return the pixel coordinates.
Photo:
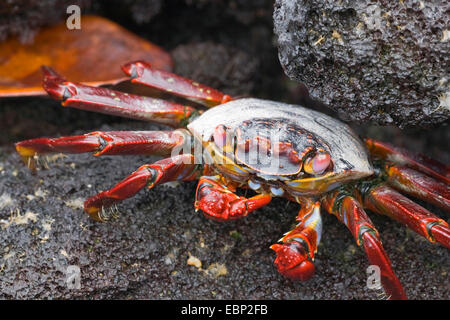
(272, 148)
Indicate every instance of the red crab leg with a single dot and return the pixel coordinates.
(384, 200)
(171, 169)
(218, 202)
(419, 185)
(403, 157)
(298, 246)
(103, 100)
(144, 73)
(349, 211)
(103, 143)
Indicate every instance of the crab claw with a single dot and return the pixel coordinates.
(218, 202)
(292, 261)
(220, 206)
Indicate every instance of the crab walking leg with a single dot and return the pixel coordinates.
(218, 202)
(144, 73)
(107, 101)
(104, 143)
(349, 211)
(179, 168)
(295, 253)
(384, 200)
(403, 157)
(419, 185)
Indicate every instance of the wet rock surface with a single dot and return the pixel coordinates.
(385, 62)
(144, 253)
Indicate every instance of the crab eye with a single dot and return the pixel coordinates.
(223, 138)
(220, 135)
(318, 163)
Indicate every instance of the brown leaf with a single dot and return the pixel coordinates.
(92, 55)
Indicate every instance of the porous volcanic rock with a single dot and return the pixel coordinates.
(381, 61)
(223, 67)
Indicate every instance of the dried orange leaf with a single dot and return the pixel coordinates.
(92, 55)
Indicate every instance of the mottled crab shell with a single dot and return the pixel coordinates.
(279, 146)
(348, 154)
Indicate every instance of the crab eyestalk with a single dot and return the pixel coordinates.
(223, 138)
(317, 164)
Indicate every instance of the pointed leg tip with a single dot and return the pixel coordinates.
(134, 69)
(53, 88)
(92, 211)
(27, 153)
(94, 205)
(128, 68)
(54, 84)
(49, 72)
(57, 90)
(24, 150)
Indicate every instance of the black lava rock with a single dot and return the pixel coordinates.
(222, 67)
(381, 61)
(139, 11)
(23, 18)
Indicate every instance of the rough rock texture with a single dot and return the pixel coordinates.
(227, 69)
(380, 61)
